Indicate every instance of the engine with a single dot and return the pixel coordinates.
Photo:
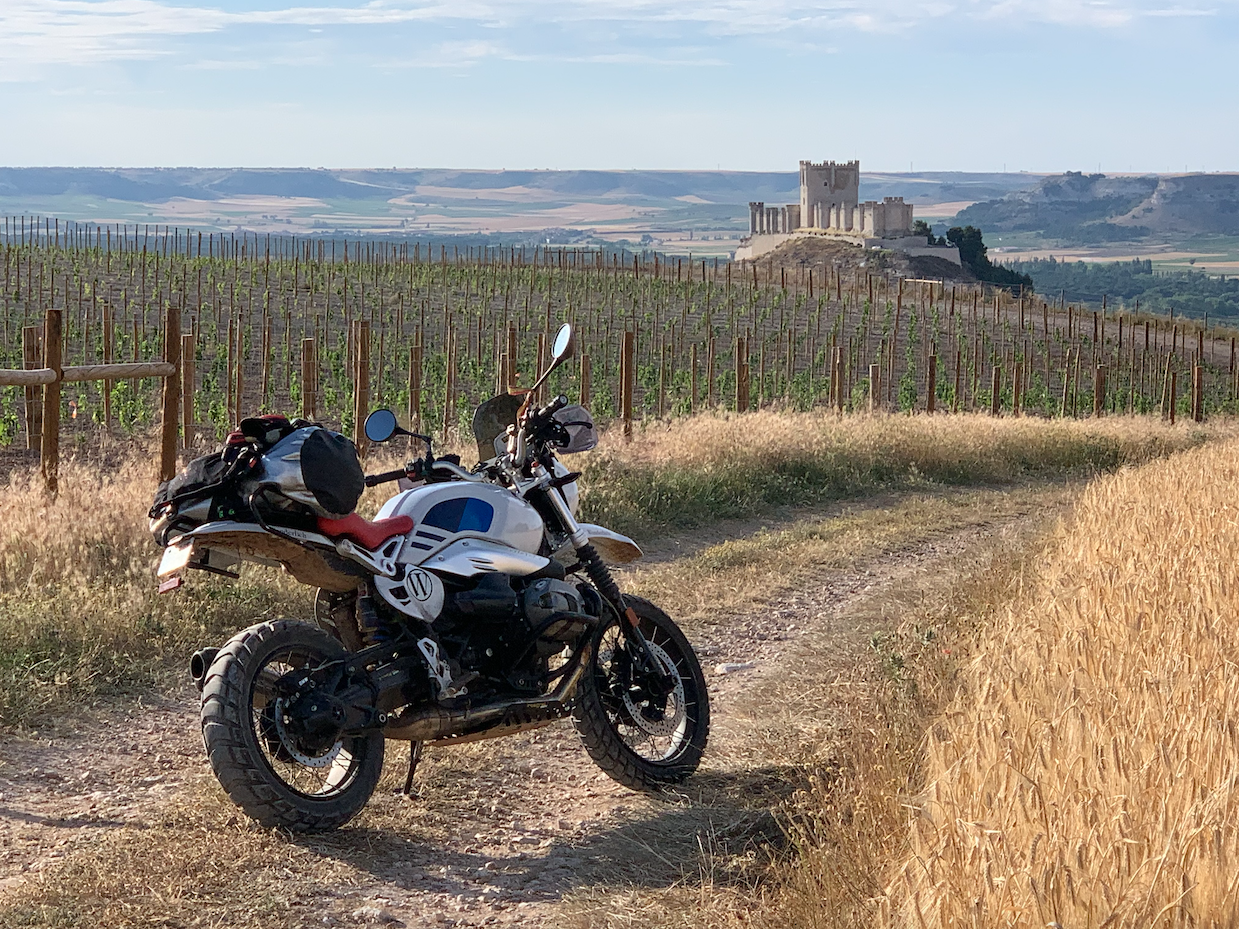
(508, 628)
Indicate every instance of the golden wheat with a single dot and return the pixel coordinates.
(1089, 775)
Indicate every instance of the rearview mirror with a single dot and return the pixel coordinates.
(565, 343)
(381, 425)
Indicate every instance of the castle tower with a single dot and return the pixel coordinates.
(828, 189)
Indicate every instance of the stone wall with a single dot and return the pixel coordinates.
(826, 190)
(829, 200)
(773, 220)
(891, 217)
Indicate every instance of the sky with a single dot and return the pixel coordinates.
(974, 85)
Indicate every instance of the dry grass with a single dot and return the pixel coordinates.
(263, 880)
(80, 618)
(1088, 775)
(725, 465)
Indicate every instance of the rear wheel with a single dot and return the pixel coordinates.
(639, 737)
(279, 770)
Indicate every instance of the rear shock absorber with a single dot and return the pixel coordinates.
(373, 630)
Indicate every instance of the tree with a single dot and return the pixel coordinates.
(920, 227)
(973, 256)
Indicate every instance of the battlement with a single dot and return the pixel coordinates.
(853, 165)
(830, 201)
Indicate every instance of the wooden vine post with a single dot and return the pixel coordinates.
(1017, 389)
(109, 336)
(692, 391)
(586, 372)
(955, 388)
(32, 359)
(710, 374)
(187, 390)
(415, 386)
(361, 380)
(309, 379)
(171, 393)
(49, 462)
(627, 379)
(742, 374)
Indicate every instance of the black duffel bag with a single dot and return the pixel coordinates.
(310, 469)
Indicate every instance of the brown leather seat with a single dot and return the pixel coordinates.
(365, 533)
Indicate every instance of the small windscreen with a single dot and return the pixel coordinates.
(491, 420)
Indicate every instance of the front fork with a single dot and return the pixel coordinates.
(596, 569)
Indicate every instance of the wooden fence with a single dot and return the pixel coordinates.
(52, 373)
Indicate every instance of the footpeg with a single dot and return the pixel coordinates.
(460, 686)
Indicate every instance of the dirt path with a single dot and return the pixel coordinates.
(520, 830)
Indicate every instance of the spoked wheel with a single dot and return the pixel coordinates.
(280, 757)
(641, 737)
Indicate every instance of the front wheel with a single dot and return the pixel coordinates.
(641, 738)
(279, 771)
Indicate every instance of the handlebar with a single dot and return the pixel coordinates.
(373, 480)
(417, 470)
(556, 404)
(453, 468)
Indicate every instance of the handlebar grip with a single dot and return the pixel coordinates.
(557, 404)
(373, 480)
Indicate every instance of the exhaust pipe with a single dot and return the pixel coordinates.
(430, 723)
(200, 664)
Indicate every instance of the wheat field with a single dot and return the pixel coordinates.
(1088, 774)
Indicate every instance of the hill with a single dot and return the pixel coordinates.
(1087, 209)
(821, 254)
(669, 210)
(153, 185)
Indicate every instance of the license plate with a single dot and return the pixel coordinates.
(175, 558)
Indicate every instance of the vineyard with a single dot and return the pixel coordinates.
(329, 328)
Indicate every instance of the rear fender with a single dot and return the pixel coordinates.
(251, 542)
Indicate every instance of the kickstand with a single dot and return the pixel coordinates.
(415, 755)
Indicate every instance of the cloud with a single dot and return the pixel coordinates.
(65, 32)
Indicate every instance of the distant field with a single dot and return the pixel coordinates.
(702, 212)
(1211, 254)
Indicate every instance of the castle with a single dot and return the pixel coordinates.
(830, 201)
(830, 206)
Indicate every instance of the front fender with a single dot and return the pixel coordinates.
(613, 547)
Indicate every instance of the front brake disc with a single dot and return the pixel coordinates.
(667, 722)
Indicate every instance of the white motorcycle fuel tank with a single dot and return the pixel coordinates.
(465, 529)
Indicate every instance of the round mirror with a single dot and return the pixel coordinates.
(380, 425)
(563, 343)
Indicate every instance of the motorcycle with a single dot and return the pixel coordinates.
(474, 606)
